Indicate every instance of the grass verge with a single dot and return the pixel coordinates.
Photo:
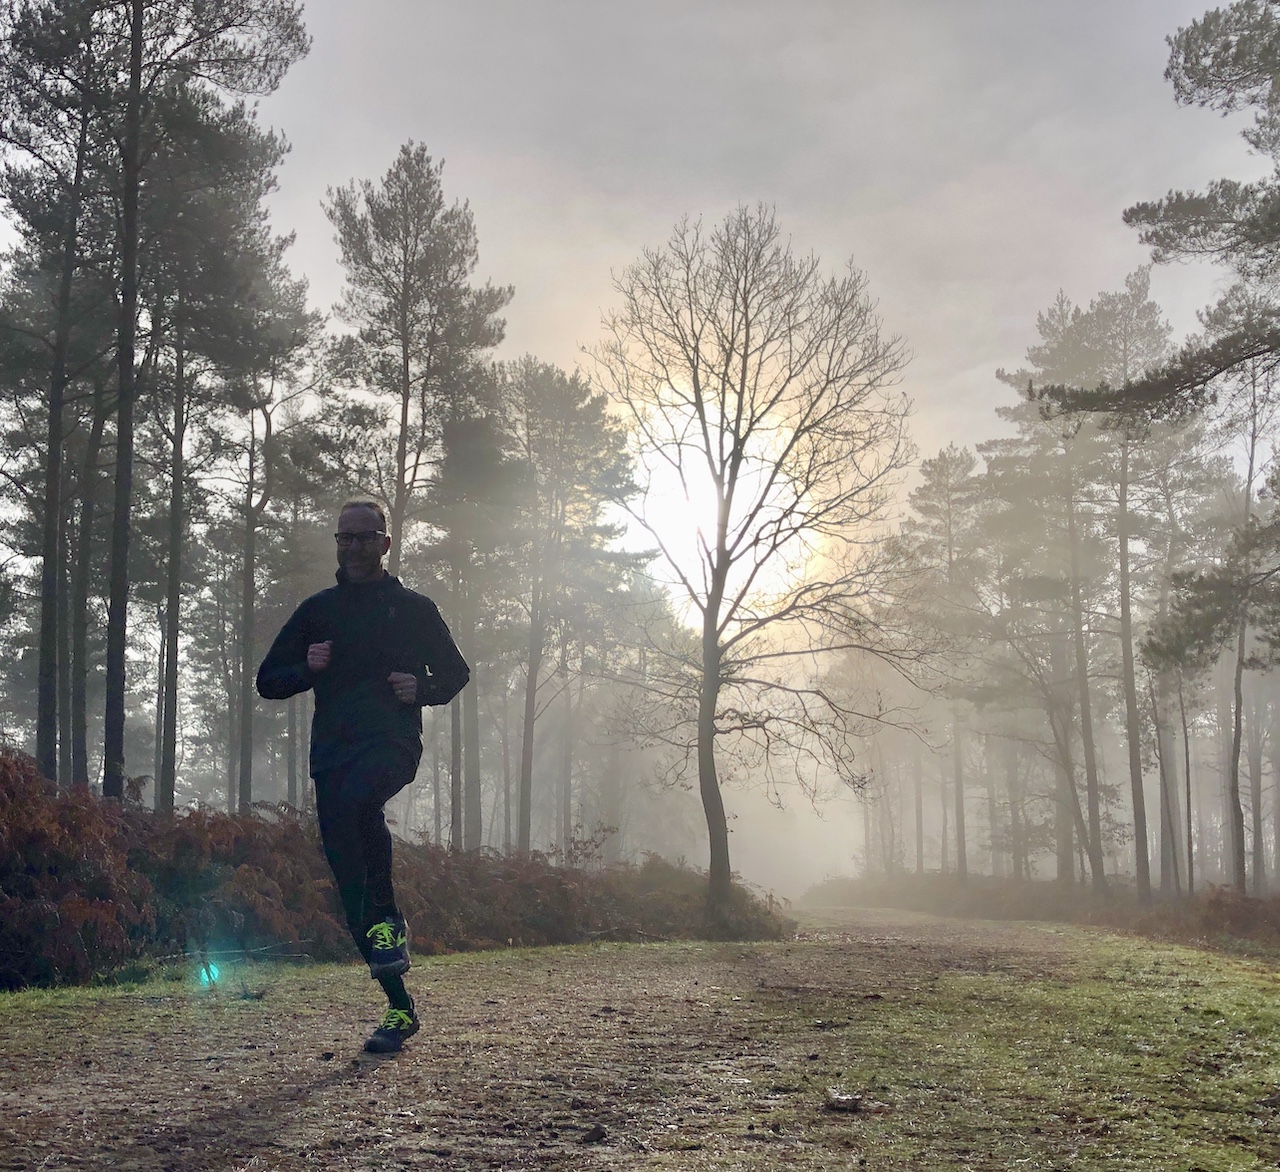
(1118, 1054)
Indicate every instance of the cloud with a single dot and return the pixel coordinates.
(974, 158)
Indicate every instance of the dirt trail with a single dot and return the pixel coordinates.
(613, 1057)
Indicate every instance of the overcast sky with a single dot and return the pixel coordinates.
(973, 157)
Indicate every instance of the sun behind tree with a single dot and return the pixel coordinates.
(765, 390)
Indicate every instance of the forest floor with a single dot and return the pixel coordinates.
(883, 1040)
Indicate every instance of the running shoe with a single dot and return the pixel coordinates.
(389, 951)
(395, 1027)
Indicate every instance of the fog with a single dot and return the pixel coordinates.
(974, 159)
(975, 638)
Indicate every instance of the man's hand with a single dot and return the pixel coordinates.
(319, 654)
(404, 685)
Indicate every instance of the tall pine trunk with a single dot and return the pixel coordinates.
(1234, 810)
(455, 774)
(957, 750)
(917, 787)
(166, 780)
(436, 796)
(244, 641)
(506, 770)
(993, 808)
(867, 837)
(1064, 788)
(292, 754)
(533, 667)
(473, 819)
(1016, 833)
(52, 630)
(260, 477)
(245, 691)
(1069, 795)
(1131, 724)
(566, 761)
(89, 487)
(1070, 816)
(1186, 760)
(1258, 851)
(113, 770)
(1274, 712)
(65, 553)
(158, 724)
(944, 845)
(1172, 864)
(225, 613)
(1093, 842)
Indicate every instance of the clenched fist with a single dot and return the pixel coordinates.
(319, 654)
(404, 685)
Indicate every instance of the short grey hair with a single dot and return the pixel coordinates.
(377, 508)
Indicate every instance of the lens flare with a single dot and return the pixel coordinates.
(208, 974)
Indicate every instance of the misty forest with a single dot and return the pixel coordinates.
(708, 556)
(711, 558)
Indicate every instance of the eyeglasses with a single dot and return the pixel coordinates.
(345, 539)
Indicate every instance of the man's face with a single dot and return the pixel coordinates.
(362, 558)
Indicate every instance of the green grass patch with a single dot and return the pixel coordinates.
(1130, 1055)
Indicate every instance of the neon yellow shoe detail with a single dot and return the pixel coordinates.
(389, 948)
(395, 1027)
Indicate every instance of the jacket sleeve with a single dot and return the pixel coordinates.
(284, 672)
(446, 671)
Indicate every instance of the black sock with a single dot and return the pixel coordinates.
(396, 993)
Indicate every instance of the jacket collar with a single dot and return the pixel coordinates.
(386, 582)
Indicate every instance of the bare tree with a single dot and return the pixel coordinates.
(764, 390)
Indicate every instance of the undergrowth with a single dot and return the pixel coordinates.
(90, 887)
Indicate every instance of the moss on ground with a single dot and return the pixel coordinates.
(1129, 1055)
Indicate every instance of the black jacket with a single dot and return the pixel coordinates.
(377, 628)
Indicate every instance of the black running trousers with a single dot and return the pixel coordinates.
(357, 843)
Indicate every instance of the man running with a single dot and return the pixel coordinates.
(375, 652)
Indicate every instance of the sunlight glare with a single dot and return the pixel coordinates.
(678, 513)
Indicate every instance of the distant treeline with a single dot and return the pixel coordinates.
(1216, 917)
(1100, 578)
